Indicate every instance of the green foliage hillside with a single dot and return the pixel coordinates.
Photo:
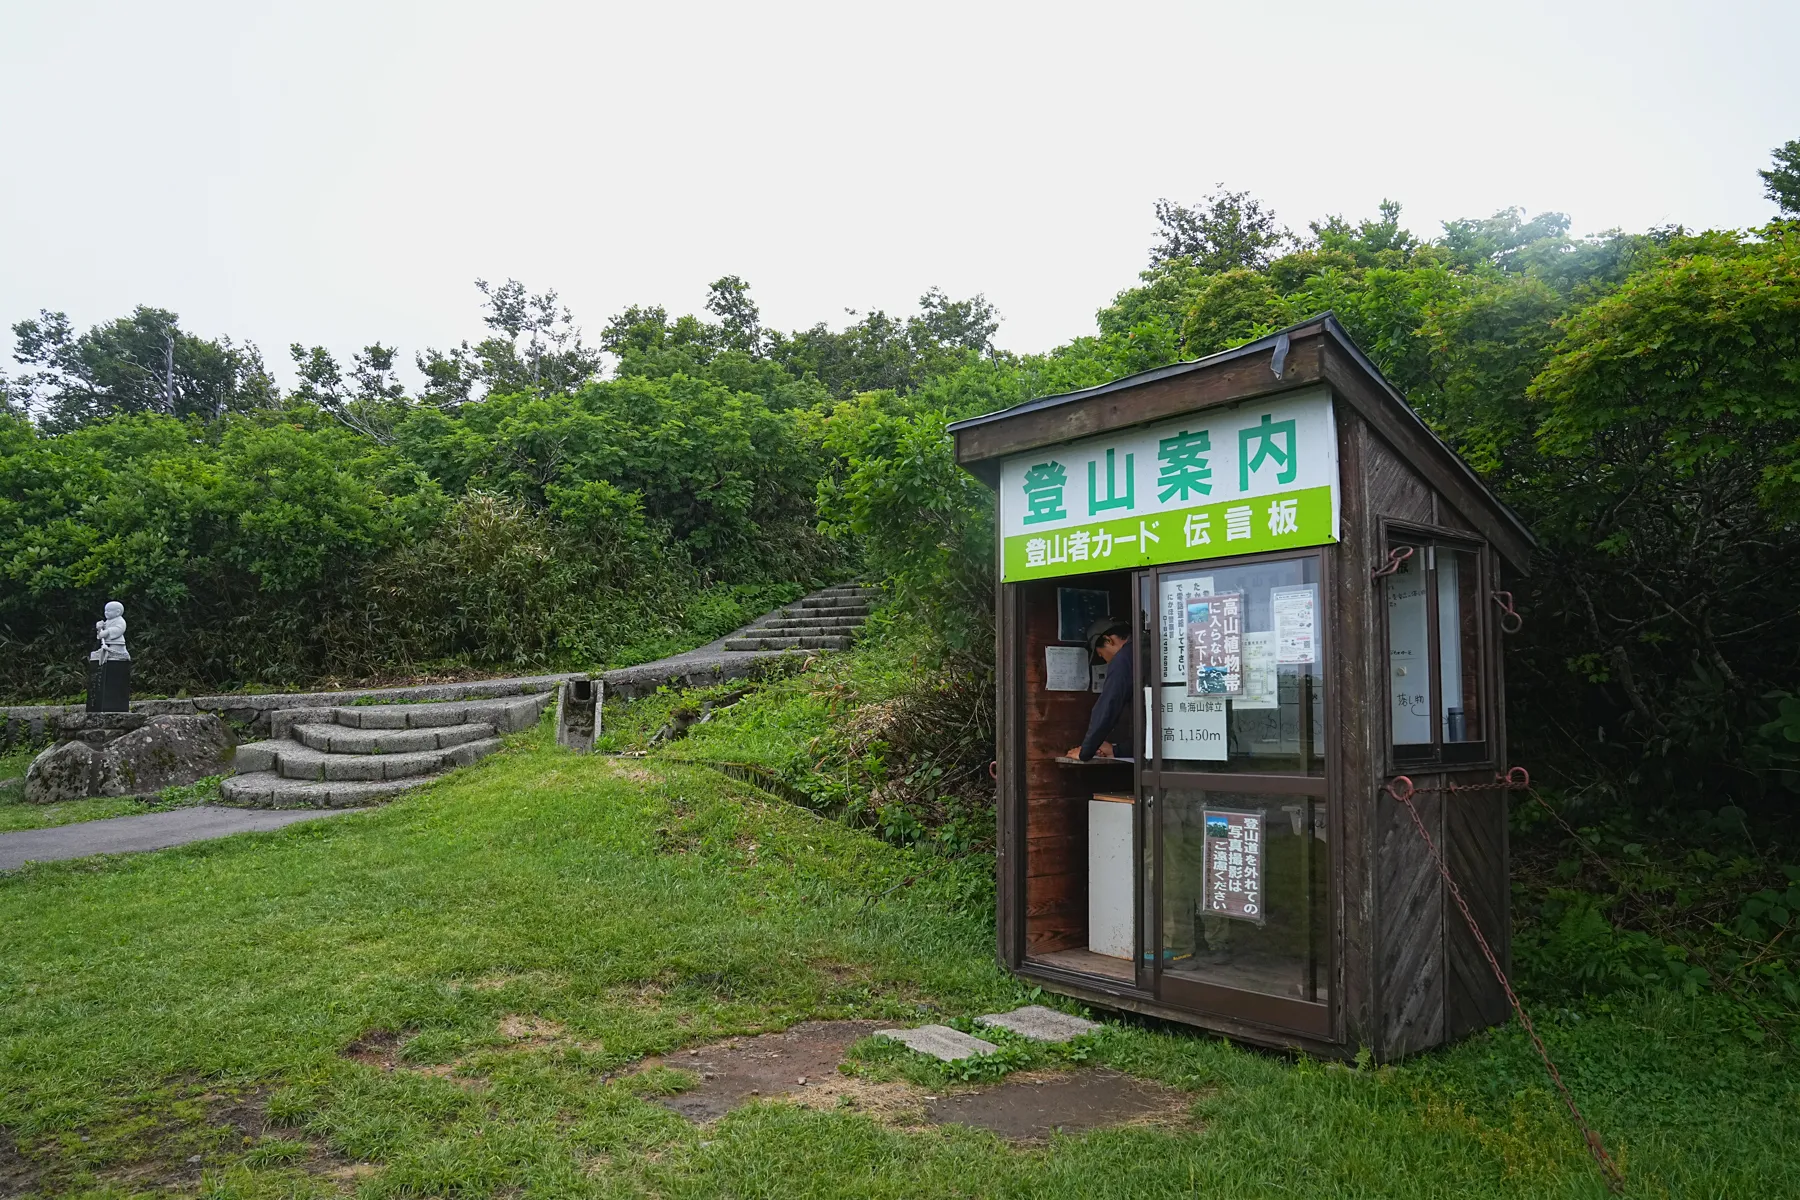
(541, 503)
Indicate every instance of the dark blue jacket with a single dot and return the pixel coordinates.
(1111, 721)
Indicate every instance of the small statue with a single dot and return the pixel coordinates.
(111, 632)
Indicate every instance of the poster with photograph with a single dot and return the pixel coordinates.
(1294, 613)
(1234, 864)
(1175, 595)
(1215, 645)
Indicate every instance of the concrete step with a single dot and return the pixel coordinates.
(335, 739)
(265, 789)
(855, 612)
(796, 626)
(292, 760)
(805, 617)
(848, 634)
(789, 643)
(849, 605)
(508, 715)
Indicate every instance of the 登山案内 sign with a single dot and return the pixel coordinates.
(1257, 476)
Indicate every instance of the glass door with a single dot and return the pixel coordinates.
(1235, 787)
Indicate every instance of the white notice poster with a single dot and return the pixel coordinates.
(1065, 669)
(1295, 616)
(1259, 671)
(1193, 727)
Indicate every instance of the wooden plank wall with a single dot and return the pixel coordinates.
(1356, 723)
(1408, 895)
(1430, 983)
(1056, 797)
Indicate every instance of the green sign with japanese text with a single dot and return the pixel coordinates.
(1240, 480)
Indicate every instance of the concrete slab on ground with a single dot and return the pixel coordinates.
(939, 1041)
(149, 831)
(1040, 1024)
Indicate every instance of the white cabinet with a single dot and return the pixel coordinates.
(1110, 901)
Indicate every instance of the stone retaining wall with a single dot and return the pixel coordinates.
(29, 723)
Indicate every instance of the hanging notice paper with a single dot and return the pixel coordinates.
(1215, 645)
(1259, 672)
(1175, 595)
(1234, 853)
(1295, 617)
(1193, 727)
(1065, 669)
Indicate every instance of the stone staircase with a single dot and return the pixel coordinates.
(338, 757)
(826, 620)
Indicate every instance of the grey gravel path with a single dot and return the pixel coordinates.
(151, 831)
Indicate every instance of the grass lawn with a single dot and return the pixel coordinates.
(179, 1021)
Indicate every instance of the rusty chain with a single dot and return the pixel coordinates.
(1516, 779)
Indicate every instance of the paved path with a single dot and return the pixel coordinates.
(151, 831)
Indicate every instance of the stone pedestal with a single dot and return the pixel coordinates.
(109, 686)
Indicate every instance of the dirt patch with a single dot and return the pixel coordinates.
(243, 1113)
(634, 773)
(17, 1173)
(504, 979)
(798, 1064)
(1036, 1105)
(376, 1048)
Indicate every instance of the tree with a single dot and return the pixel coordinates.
(369, 401)
(1781, 183)
(1669, 503)
(551, 359)
(142, 363)
(946, 324)
(1228, 230)
(1228, 310)
(1507, 240)
(740, 321)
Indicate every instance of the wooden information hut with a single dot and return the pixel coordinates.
(1312, 584)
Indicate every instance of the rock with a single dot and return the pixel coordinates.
(63, 772)
(165, 752)
(95, 728)
(939, 1041)
(134, 756)
(1040, 1024)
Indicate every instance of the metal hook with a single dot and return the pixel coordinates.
(1396, 556)
(1400, 787)
(1505, 601)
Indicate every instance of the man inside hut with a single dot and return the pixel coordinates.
(1109, 642)
(1189, 932)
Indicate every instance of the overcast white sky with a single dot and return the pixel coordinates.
(334, 172)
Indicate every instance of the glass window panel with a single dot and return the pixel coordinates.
(1246, 891)
(1268, 714)
(1409, 652)
(1459, 646)
(1436, 706)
